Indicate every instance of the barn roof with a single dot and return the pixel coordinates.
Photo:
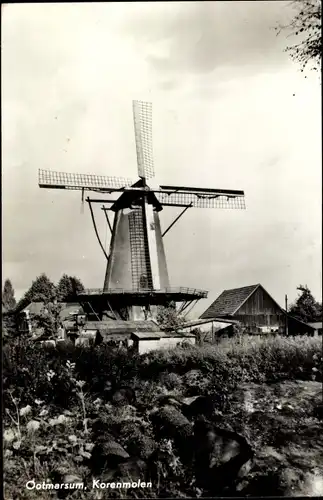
(229, 301)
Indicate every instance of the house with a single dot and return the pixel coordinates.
(256, 311)
(69, 315)
(144, 342)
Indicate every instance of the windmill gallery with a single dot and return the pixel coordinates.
(136, 281)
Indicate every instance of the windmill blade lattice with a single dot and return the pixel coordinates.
(90, 182)
(201, 199)
(142, 116)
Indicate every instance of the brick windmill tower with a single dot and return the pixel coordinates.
(136, 281)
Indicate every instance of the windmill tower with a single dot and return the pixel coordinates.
(136, 279)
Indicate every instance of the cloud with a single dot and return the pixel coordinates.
(200, 37)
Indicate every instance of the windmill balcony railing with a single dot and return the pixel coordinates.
(170, 290)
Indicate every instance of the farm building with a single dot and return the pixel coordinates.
(210, 329)
(317, 327)
(144, 342)
(67, 315)
(256, 311)
(118, 332)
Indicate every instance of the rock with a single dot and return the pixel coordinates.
(142, 446)
(222, 457)
(169, 400)
(107, 453)
(169, 422)
(132, 469)
(198, 405)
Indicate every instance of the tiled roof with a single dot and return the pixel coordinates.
(229, 301)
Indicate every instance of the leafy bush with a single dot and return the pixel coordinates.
(249, 359)
(170, 380)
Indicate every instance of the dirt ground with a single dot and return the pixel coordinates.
(280, 420)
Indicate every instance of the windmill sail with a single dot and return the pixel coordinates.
(142, 116)
(200, 197)
(90, 182)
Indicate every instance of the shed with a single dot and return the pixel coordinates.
(144, 342)
(210, 328)
(317, 325)
(119, 332)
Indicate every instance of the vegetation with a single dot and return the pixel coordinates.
(169, 319)
(44, 290)
(49, 319)
(306, 27)
(68, 287)
(306, 308)
(8, 296)
(96, 412)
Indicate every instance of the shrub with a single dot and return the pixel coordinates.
(170, 380)
(249, 359)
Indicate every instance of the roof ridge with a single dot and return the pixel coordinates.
(229, 301)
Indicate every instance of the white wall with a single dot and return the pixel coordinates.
(163, 343)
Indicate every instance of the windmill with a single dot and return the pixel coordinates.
(136, 280)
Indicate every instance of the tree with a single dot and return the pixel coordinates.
(169, 319)
(306, 26)
(42, 290)
(9, 326)
(8, 296)
(49, 319)
(306, 308)
(68, 287)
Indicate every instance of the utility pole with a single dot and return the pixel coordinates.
(286, 317)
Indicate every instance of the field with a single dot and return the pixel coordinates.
(180, 419)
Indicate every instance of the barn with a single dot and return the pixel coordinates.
(256, 311)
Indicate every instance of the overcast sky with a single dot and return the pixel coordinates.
(230, 110)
